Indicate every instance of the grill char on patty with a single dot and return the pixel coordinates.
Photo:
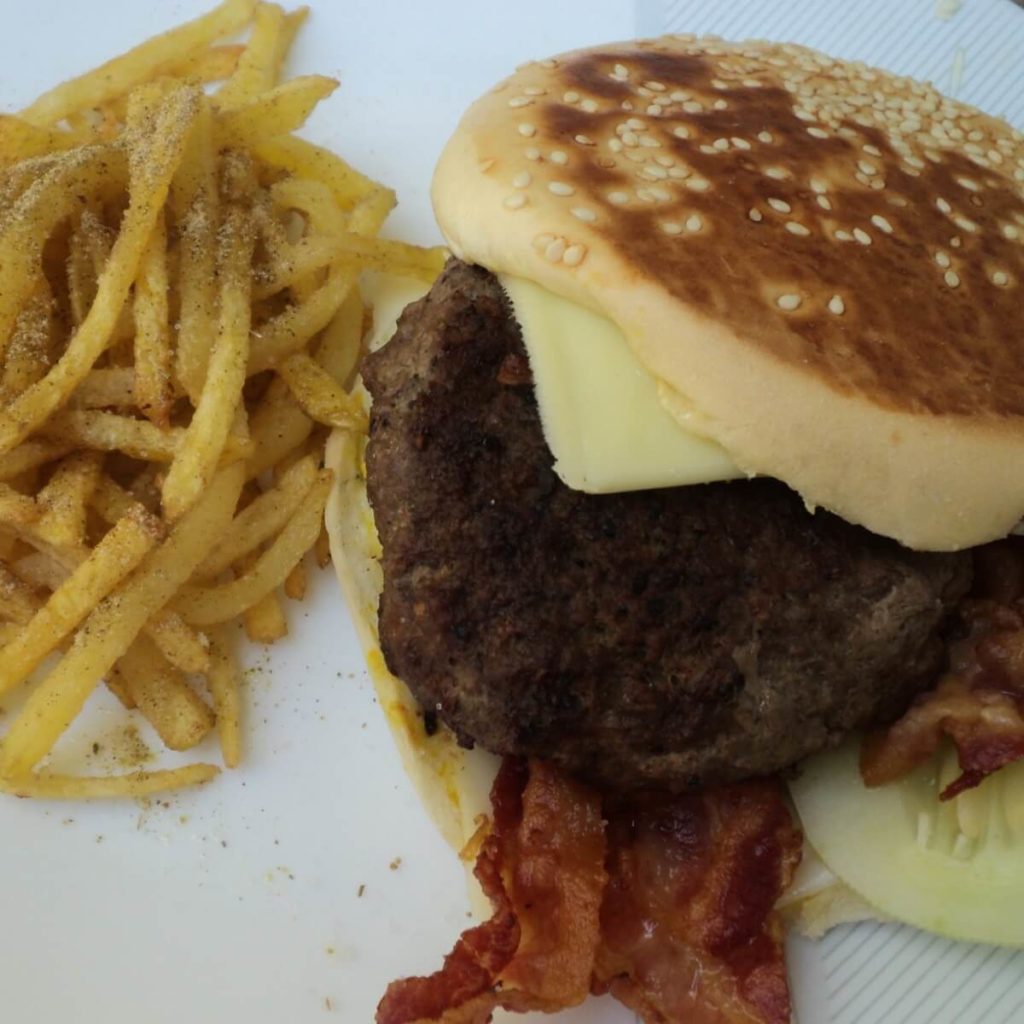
(667, 638)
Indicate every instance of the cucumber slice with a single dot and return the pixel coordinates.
(955, 868)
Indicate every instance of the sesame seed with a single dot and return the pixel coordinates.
(649, 142)
(618, 198)
(681, 132)
(836, 305)
(796, 228)
(630, 138)
(620, 72)
(952, 278)
(520, 101)
(955, 242)
(665, 160)
(823, 202)
(679, 96)
(661, 193)
(881, 223)
(867, 167)
(788, 302)
(589, 106)
(778, 173)
(584, 140)
(720, 105)
(522, 179)
(515, 202)
(844, 236)
(697, 184)
(655, 172)
(819, 186)
(694, 223)
(670, 227)
(873, 150)
(527, 130)
(559, 156)
(534, 90)
(574, 255)
(818, 133)
(862, 236)
(1010, 232)
(636, 124)
(755, 215)
(751, 83)
(654, 110)
(721, 144)
(965, 224)
(943, 205)
(765, 137)
(740, 143)
(561, 188)
(780, 205)
(705, 148)
(969, 183)
(655, 86)
(542, 241)
(1000, 278)
(584, 213)
(555, 250)
(531, 153)
(693, 107)
(572, 96)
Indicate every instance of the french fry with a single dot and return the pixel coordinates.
(31, 455)
(112, 386)
(18, 602)
(276, 112)
(294, 328)
(47, 786)
(177, 713)
(194, 200)
(181, 645)
(259, 63)
(28, 354)
(64, 499)
(22, 140)
(322, 549)
(207, 434)
(278, 427)
(225, 686)
(153, 390)
(318, 394)
(205, 66)
(111, 432)
(263, 518)
(120, 75)
(296, 582)
(153, 159)
(115, 622)
(204, 606)
(265, 621)
(116, 555)
(304, 160)
(16, 509)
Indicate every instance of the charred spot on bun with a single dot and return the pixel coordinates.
(818, 266)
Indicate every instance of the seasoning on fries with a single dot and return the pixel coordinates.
(179, 322)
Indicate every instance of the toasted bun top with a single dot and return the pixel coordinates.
(822, 262)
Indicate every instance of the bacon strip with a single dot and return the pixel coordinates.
(979, 705)
(542, 866)
(688, 925)
(682, 929)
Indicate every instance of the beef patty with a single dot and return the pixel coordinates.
(672, 637)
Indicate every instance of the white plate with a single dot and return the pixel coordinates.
(296, 887)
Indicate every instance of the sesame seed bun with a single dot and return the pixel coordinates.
(821, 262)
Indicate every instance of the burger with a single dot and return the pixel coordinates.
(682, 468)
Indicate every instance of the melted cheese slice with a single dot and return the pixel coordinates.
(601, 411)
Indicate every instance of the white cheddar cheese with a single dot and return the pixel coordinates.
(599, 408)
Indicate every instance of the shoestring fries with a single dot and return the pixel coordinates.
(180, 324)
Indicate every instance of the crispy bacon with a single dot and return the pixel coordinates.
(682, 929)
(542, 866)
(689, 933)
(979, 705)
